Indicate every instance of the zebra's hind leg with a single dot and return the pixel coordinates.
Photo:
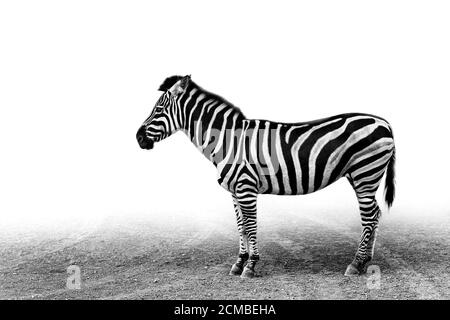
(238, 267)
(370, 216)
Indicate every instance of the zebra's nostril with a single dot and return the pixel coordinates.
(140, 135)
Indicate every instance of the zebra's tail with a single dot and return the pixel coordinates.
(389, 189)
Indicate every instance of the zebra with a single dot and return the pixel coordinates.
(264, 157)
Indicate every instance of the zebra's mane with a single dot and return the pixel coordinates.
(170, 81)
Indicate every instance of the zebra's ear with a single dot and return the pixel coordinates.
(180, 86)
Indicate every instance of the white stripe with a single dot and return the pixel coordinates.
(267, 158)
(281, 161)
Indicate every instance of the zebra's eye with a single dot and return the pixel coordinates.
(159, 109)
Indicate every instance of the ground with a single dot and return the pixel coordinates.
(302, 257)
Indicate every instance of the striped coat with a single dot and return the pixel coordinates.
(264, 157)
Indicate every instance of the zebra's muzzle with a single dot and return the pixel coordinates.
(146, 144)
(143, 141)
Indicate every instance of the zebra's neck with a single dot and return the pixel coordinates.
(209, 121)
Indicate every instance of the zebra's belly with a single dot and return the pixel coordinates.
(317, 177)
(267, 186)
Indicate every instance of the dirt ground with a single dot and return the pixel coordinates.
(302, 257)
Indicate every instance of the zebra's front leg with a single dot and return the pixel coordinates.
(246, 196)
(238, 267)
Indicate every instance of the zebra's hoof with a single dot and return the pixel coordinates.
(235, 270)
(351, 271)
(248, 273)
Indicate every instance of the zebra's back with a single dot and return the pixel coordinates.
(301, 158)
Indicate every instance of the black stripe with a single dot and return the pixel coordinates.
(287, 155)
(195, 115)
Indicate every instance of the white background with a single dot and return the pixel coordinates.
(78, 78)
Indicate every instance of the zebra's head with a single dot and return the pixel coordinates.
(165, 118)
